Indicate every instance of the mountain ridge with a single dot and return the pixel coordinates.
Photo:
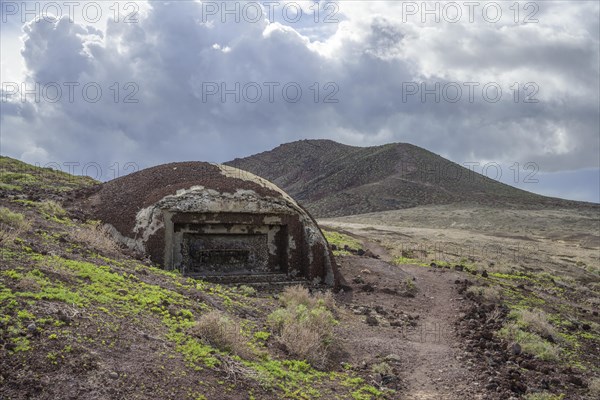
(333, 179)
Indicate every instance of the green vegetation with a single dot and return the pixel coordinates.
(341, 241)
(408, 288)
(262, 336)
(382, 368)
(52, 209)
(246, 290)
(543, 328)
(534, 320)
(16, 176)
(530, 342)
(409, 257)
(366, 392)
(11, 219)
(204, 338)
(411, 261)
(49, 209)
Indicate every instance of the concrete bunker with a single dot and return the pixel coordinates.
(215, 222)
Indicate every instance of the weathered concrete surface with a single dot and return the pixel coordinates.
(209, 219)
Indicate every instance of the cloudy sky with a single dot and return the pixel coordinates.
(113, 85)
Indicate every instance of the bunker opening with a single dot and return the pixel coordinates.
(204, 246)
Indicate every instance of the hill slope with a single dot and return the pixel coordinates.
(81, 319)
(333, 179)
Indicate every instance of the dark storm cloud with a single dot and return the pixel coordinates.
(353, 81)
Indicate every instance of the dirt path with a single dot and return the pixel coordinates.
(416, 335)
(436, 365)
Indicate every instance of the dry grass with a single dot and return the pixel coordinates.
(382, 368)
(26, 284)
(537, 321)
(589, 293)
(530, 328)
(492, 294)
(218, 330)
(95, 236)
(247, 291)
(52, 208)
(409, 289)
(594, 387)
(299, 295)
(504, 269)
(304, 342)
(495, 315)
(305, 324)
(531, 342)
(12, 224)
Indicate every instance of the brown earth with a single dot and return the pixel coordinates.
(453, 350)
(425, 348)
(332, 179)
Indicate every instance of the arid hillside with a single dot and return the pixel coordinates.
(82, 318)
(332, 179)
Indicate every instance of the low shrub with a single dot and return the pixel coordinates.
(295, 295)
(52, 209)
(11, 224)
(382, 368)
(95, 236)
(492, 294)
(305, 324)
(530, 342)
(409, 289)
(218, 330)
(537, 321)
(247, 291)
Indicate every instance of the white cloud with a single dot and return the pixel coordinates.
(175, 57)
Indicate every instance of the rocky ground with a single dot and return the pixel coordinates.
(413, 332)
(441, 343)
(450, 336)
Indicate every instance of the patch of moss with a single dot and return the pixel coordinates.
(340, 241)
(367, 392)
(410, 261)
(11, 273)
(262, 336)
(518, 276)
(17, 175)
(362, 390)
(296, 379)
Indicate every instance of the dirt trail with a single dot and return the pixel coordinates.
(437, 366)
(429, 361)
